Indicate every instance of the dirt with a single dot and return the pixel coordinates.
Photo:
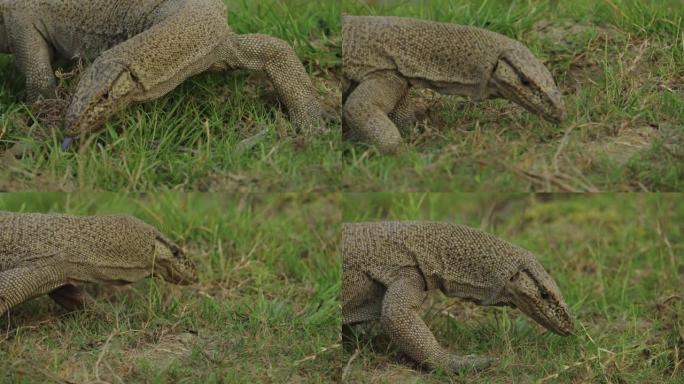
(14, 178)
(628, 142)
(167, 350)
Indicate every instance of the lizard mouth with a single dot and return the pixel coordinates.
(511, 93)
(173, 274)
(542, 317)
(84, 119)
(553, 326)
(556, 118)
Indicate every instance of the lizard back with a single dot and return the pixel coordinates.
(418, 49)
(86, 29)
(459, 260)
(39, 239)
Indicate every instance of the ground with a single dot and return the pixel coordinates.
(616, 258)
(267, 307)
(619, 65)
(215, 132)
(265, 310)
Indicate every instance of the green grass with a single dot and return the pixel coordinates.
(616, 258)
(618, 62)
(189, 139)
(619, 65)
(265, 310)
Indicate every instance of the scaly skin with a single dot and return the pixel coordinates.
(388, 269)
(142, 49)
(54, 254)
(383, 57)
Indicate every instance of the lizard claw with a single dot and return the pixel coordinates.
(67, 143)
(471, 362)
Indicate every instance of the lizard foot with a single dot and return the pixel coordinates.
(470, 362)
(71, 297)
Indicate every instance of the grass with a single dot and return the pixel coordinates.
(616, 258)
(265, 309)
(619, 65)
(190, 139)
(618, 62)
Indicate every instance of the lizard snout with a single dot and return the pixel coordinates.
(557, 108)
(178, 274)
(536, 294)
(172, 264)
(104, 89)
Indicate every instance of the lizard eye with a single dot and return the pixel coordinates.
(525, 81)
(545, 295)
(177, 252)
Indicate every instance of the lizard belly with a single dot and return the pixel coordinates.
(361, 297)
(473, 90)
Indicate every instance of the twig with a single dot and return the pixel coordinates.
(347, 367)
(562, 144)
(314, 356)
(102, 353)
(616, 8)
(565, 368)
(52, 377)
(636, 60)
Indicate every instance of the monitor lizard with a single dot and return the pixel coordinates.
(141, 50)
(388, 268)
(56, 254)
(384, 56)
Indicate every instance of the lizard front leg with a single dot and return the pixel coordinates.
(71, 297)
(33, 57)
(280, 63)
(365, 112)
(401, 322)
(20, 284)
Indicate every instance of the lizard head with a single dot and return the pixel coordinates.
(171, 264)
(535, 293)
(105, 88)
(519, 77)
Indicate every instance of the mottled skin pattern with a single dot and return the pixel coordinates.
(54, 254)
(388, 268)
(383, 57)
(142, 49)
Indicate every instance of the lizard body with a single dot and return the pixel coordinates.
(384, 56)
(54, 254)
(141, 50)
(388, 268)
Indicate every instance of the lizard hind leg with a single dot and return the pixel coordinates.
(71, 297)
(401, 322)
(365, 112)
(23, 283)
(403, 115)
